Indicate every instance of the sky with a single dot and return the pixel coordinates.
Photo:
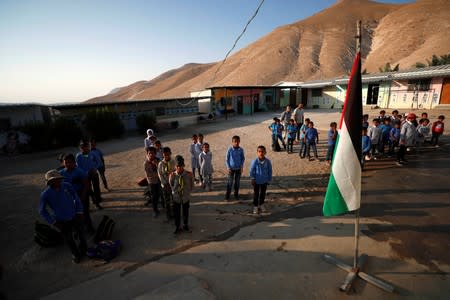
(57, 51)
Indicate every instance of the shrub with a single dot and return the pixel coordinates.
(145, 121)
(66, 132)
(103, 124)
(40, 135)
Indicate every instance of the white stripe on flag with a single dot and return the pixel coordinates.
(346, 169)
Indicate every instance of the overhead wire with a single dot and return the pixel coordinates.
(235, 43)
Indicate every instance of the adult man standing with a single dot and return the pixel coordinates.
(298, 116)
(285, 117)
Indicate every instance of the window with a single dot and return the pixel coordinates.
(316, 92)
(419, 85)
(160, 111)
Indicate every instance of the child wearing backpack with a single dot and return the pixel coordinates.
(182, 183)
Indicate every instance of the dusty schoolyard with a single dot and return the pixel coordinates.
(31, 272)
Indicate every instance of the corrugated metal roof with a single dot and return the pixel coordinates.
(418, 73)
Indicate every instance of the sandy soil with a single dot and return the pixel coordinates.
(30, 271)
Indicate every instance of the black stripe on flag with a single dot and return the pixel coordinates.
(352, 112)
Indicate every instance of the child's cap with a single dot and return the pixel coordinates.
(179, 160)
(52, 175)
(411, 116)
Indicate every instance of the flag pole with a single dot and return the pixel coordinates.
(355, 259)
(351, 117)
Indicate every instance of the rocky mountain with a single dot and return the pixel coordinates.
(319, 47)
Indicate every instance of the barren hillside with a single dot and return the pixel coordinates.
(319, 47)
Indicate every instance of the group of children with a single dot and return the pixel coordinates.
(400, 132)
(308, 137)
(169, 179)
(67, 194)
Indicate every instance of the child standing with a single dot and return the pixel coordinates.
(195, 150)
(291, 132)
(182, 184)
(385, 132)
(206, 167)
(375, 136)
(88, 163)
(311, 139)
(261, 176)
(365, 121)
(165, 167)
(332, 136)
(151, 172)
(159, 150)
(274, 130)
(201, 141)
(302, 152)
(234, 161)
(394, 137)
(366, 145)
(407, 138)
(280, 130)
(80, 183)
(437, 130)
(423, 131)
(101, 162)
(149, 140)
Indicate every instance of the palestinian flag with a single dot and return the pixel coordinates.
(344, 188)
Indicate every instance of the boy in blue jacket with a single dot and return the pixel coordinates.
(234, 161)
(66, 212)
(261, 176)
(366, 146)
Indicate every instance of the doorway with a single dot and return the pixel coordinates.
(372, 94)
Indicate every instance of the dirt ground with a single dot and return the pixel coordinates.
(30, 271)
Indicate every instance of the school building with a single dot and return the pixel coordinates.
(424, 88)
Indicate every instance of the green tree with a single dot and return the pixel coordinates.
(145, 121)
(103, 124)
(435, 61)
(66, 132)
(387, 68)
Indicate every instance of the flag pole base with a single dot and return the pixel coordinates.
(353, 273)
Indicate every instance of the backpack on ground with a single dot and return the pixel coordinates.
(106, 250)
(104, 229)
(46, 236)
(276, 146)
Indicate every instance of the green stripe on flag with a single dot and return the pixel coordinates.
(334, 203)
